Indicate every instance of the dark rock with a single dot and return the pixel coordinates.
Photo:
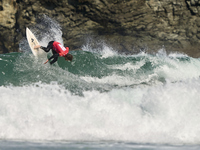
(127, 25)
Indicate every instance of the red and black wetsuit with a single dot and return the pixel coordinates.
(57, 50)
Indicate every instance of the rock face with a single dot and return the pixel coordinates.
(8, 9)
(126, 25)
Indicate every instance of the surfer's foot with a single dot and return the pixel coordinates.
(36, 46)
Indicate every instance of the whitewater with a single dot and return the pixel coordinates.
(101, 100)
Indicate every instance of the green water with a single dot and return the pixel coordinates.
(100, 96)
(23, 68)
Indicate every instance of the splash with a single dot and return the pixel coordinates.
(101, 96)
(45, 30)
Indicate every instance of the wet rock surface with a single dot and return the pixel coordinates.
(127, 25)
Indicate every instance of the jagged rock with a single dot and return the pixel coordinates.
(128, 25)
(8, 9)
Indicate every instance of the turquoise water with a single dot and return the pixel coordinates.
(100, 100)
(101, 97)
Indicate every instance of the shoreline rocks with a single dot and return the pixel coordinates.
(127, 25)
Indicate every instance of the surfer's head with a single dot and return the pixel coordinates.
(68, 57)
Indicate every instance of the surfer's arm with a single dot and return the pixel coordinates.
(54, 57)
(46, 61)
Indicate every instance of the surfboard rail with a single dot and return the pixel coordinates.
(32, 41)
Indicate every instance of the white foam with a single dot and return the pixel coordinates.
(174, 69)
(103, 49)
(54, 33)
(158, 114)
(119, 80)
(128, 66)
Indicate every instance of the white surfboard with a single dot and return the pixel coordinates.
(32, 41)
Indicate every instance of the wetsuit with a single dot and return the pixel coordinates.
(57, 50)
(47, 49)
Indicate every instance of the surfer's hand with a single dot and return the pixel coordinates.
(46, 61)
(37, 46)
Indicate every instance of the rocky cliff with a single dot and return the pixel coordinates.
(126, 25)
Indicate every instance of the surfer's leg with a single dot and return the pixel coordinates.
(49, 47)
(45, 49)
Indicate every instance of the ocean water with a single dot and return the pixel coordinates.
(101, 100)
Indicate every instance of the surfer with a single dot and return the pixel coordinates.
(58, 50)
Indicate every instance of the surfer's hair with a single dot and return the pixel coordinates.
(68, 57)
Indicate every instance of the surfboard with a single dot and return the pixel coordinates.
(32, 41)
